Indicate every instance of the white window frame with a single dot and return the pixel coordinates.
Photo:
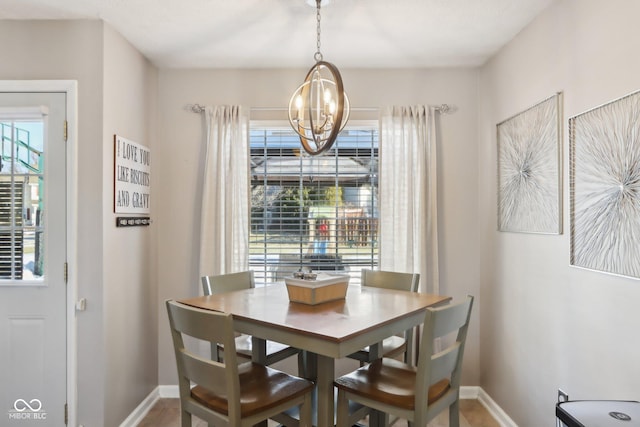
(268, 261)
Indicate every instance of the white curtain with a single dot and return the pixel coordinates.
(408, 193)
(224, 226)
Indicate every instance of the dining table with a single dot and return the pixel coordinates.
(327, 331)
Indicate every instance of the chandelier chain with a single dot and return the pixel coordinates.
(318, 55)
(319, 107)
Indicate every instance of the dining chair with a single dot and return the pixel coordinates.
(416, 394)
(395, 345)
(225, 392)
(237, 281)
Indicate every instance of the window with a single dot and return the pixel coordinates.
(318, 212)
(21, 198)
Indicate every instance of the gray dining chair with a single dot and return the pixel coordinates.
(393, 346)
(404, 391)
(225, 392)
(245, 280)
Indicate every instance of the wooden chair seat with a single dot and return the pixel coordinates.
(391, 381)
(261, 388)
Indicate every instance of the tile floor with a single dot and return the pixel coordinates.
(166, 413)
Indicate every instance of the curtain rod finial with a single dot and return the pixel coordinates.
(194, 108)
(447, 109)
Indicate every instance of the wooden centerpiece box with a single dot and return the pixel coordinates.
(317, 288)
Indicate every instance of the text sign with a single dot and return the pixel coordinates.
(132, 177)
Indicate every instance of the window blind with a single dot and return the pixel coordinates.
(318, 212)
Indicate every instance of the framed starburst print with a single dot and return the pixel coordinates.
(605, 187)
(529, 176)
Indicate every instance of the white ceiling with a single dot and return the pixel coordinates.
(282, 33)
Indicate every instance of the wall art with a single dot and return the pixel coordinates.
(604, 187)
(529, 169)
(132, 177)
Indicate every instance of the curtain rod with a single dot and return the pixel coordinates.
(442, 108)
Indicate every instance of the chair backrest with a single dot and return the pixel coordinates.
(218, 377)
(228, 282)
(445, 364)
(390, 280)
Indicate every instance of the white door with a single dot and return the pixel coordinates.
(33, 338)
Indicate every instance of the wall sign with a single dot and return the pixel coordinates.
(132, 176)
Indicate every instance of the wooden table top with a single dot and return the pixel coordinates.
(363, 309)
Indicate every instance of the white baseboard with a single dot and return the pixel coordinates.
(140, 412)
(172, 391)
(469, 392)
(496, 411)
(169, 391)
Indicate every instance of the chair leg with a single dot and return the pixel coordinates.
(408, 351)
(185, 418)
(302, 364)
(215, 352)
(305, 412)
(454, 414)
(380, 418)
(342, 413)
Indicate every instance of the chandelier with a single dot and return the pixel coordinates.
(319, 108)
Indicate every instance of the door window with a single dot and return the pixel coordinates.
(21, 200)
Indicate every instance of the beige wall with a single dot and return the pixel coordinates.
(130, 290)
(49, 50)
(116, 336)
(546, 325)
(181, 136)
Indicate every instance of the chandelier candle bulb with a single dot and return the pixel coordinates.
(299, 106)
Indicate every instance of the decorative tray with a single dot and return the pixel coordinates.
(325, 287)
